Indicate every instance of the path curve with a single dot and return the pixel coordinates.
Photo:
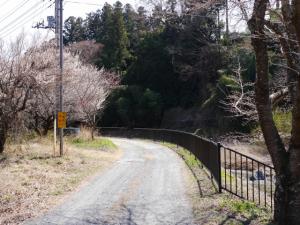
(146, 186)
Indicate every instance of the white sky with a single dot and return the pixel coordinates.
(17, 16)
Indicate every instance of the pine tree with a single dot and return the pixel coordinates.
(130, 20)
(142, 23)
(93, 25)
(74, 30)
(171, 6)
(106, 25)
(115, 39)
(157, 18)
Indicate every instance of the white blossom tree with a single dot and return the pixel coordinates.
(17, 81)
(85, 88)
(28, 90)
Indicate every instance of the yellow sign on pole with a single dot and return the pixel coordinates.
(61, 120)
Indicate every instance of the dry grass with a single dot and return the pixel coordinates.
(32, 180)
(85, 133)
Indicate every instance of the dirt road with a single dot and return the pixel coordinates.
(146, 186)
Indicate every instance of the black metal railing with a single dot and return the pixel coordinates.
(237, 173)
(247, 177)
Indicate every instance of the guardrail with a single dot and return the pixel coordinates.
(232, 171)
(247, 178)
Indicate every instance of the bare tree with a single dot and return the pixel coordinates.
(286, 160)
(278, 21)
(240, 100)
(86, 50)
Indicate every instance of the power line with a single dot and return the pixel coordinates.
(12, 12)
(20, 17)
(16, 26)
(4, 3)
(39, 11)
(83, 3)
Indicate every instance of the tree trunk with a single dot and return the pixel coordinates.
(2, 140)
(287, 198)
(297, 17)
(47, 125)
(37, 130)
(292, 182)
(277, 4)
(291, 70)
(293, 189)
(287, 193)
(92, 133)
(263, 103)
(3, 136)
(278, 96)
(292, 32)
(45, 131)
(272, 138)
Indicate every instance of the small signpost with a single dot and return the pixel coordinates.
(61, 120)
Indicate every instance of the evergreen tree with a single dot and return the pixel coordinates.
(171, 6)
(106, 25)
(157, 18)
(93, 25)
(74, 30)
(130, 20)
(115, 39)
(142, 23)
(153, 69)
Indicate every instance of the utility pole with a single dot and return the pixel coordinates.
(56, 78)
(219, 30)
(277, 4)
(227, 20)
(61, 62)
(59, 77)
(56, 22)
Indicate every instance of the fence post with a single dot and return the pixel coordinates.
(220, 165)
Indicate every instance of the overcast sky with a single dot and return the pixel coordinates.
(17, 16)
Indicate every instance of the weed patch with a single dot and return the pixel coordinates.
(246, 209)
(97, 144)
(283, 121)
(189, 158)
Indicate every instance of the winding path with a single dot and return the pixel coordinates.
(146, 186)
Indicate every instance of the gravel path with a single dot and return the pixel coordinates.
(146, 186)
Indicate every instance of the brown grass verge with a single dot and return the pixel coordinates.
(33, 181)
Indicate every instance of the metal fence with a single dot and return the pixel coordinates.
(232, 171)
(246, 177)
